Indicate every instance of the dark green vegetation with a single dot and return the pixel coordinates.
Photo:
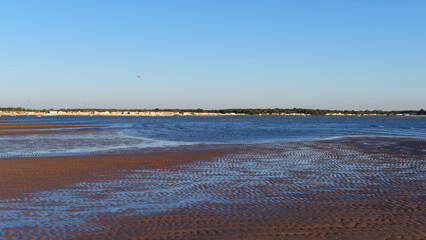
(248, 111)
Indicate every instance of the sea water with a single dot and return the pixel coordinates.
(139, 134)
(296, 165)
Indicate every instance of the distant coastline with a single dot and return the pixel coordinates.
(200, 112)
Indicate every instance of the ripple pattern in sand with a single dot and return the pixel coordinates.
(288, 173)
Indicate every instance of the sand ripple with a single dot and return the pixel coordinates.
(317, 189)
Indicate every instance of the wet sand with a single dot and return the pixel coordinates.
(17, 132)
(359, 188)
(35, 125)
(24, 127)
(20, 176)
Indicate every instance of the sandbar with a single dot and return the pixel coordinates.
(338, 189)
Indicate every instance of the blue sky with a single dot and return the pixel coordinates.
(213, 54)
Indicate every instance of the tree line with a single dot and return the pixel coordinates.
(246, 111)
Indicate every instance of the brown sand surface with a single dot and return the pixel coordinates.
(325, 220)
(340, 189)
(22, 175)
(36, 125)
(16, 132)
(27, 127)
(17, 121)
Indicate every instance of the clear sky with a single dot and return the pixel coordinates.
(213, 54)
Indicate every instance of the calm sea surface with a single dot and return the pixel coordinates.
(138, 133)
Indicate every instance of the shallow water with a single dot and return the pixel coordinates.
(118, 134)
(282, 173)
(367, 158)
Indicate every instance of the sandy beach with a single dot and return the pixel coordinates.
(350, 188)
(25, 127)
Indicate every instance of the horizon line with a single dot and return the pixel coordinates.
(201, 109)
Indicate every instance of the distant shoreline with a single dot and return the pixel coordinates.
(200, 112)
(207, 113)
(184, 114)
